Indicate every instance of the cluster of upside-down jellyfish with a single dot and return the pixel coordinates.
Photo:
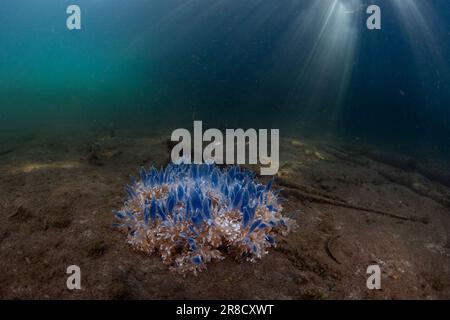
(193, 214)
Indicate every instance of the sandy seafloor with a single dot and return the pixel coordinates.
(58, 193)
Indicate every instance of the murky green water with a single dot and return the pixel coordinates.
(305, 67)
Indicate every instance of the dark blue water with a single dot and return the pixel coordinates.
(308, 67)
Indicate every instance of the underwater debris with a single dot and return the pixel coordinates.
(297, 143)
(191, 214)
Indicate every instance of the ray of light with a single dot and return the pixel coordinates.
(418, 19)
(324, 66)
